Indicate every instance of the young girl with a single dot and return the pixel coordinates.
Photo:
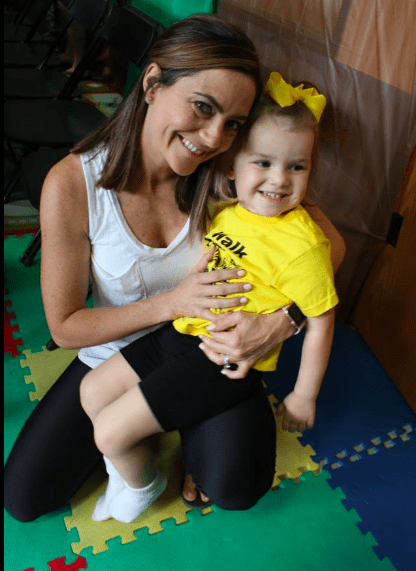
(281, 252)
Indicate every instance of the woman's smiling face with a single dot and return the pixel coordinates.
(194, 119)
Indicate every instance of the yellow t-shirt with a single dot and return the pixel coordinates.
(286, 259)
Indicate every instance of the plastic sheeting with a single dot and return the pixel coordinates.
(167, 12)
(362, 56)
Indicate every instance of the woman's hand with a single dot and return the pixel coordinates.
(252, 337)
(196, 294)
(298, 412)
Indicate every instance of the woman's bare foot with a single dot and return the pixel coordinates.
(190, 492)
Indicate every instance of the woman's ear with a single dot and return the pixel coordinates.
(230, 174)
(152, 73)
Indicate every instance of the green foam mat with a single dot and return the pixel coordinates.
(23, 285)
(301, 526)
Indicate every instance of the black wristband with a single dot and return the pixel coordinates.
(296, 314)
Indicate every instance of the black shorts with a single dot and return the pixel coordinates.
(181, 385)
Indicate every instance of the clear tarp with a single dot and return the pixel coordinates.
(362, 56)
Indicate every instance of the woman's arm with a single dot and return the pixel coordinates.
(298, 408)
(251, 337)
(65, 265)
(65, 268)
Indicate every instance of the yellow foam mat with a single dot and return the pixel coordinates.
(45, 367)
(168, 505)
(292, 460)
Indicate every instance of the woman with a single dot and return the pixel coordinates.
(120, 208)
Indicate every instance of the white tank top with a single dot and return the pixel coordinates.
(123, 270)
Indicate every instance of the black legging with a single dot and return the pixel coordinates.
(231, 456)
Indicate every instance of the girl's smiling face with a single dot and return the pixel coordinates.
(194, 119)
(271, 171)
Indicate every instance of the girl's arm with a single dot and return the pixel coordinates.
(252, 336)
(298, 408)
(65, 268)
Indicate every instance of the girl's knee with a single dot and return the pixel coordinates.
(107, 435)
(104, 437)
(89, 392)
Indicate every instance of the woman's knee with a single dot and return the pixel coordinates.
(236, 503)
(36, 478)
(230, 494)
(246, 481)
(18, 503)
(232, 456)
(22, 512)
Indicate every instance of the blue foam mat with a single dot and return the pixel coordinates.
(382, 489)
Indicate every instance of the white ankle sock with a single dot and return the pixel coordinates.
(114, 486)
(128, 504)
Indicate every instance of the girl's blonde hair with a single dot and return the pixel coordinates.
(299, 118)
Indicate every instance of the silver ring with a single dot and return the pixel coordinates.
(227, 362)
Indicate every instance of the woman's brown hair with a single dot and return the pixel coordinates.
(192, 45)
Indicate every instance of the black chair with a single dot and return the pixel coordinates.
(60, 123)
(23, 19)
(51, 84)
(76, 120)
(29, 53)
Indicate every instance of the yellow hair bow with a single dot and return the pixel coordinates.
(286, 95)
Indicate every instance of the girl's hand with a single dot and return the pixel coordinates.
(298, 412)
(252, 336)
(196, 294)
